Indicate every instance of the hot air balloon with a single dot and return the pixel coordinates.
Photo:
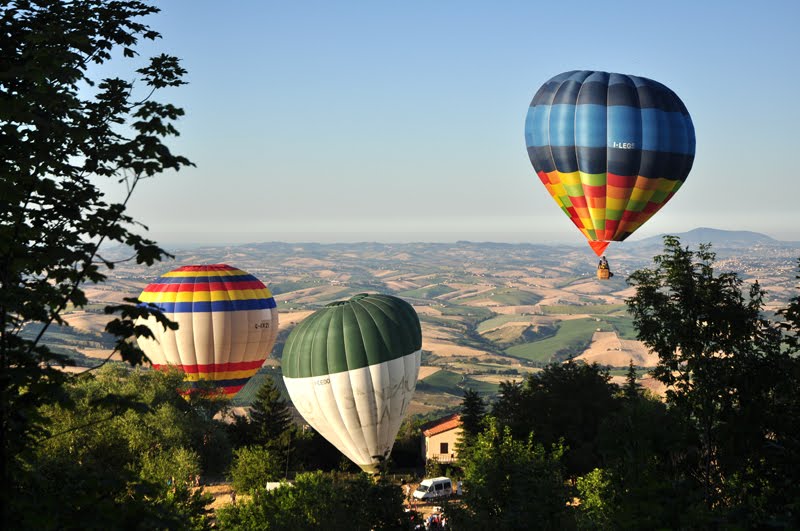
(227, 321)
(351, 369)
(611, 149)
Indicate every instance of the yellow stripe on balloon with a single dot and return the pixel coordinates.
(570, 179)
(613, 203)
(639, 194)
(225, 375)
(214, 273)
(204, 296)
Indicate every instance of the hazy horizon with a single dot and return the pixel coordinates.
(405, 121)
(196, 239)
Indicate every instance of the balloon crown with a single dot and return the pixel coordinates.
(354, 298)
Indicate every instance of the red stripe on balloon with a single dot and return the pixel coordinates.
(594, 191)
(209, 286)
(214, 367)
(578, 201)
(209, 267)
(621, 181)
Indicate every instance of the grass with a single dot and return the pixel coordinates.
(623, 325)
(515, 297)
(573, 335)
(441, 321)
(442, 381)
(427, 292)
(445, 381)
(506, 296)
(286, 287)
(500, 320)
(507, 334)
(590, 309)
(483, 388)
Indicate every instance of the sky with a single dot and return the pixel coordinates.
(403, 121)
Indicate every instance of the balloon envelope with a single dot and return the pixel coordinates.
(611, 149)
(227, 318)
(351, 369)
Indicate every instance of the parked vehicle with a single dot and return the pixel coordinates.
(433, 488)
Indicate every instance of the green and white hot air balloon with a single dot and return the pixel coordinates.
(351, 369)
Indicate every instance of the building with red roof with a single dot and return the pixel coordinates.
(440, 438)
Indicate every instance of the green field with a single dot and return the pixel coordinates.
(445, 381)
(573, 336)
(508, 334)
(442, 382)
(515, 297)
(500, 320)
(483, 388)
(475, 313)
(590, 309)
(507, 296)
(427, 292)
(623, 325)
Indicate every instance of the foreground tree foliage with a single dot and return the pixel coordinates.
(511, 484)
(733, 377)
(62, 132)
(318, 500)
(564, 402)
(269, 423)
(123, 452)
(253, 467)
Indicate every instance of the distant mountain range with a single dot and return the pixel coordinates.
(718, 238)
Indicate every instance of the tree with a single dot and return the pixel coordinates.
(253, 467)
(319, 500)
(473, 411)
(270, 418)
(63, 131)
(508, 407)
(106, 464)
(640, 481)
(510, 484)
(632, 389)
(729, 376)
(568, 402)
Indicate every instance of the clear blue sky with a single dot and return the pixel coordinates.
(403, 121)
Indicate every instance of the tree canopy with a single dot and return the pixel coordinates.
(64, 129)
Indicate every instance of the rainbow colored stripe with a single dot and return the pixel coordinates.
(611, 149)
(208, 288)
(217, 290)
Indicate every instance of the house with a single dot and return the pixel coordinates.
(440, 438)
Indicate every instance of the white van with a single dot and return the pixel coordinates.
(434, 488)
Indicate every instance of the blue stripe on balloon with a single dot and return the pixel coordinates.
(673, 137)
(562, 125)
(537, 124)
(583, 125)
(215, 306)
(590, 126)
(624, 127)
(206, 279)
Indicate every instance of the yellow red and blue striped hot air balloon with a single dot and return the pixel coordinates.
(227, 318)
(611, 149)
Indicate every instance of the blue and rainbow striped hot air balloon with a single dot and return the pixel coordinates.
(227, 318)
(611, 149)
